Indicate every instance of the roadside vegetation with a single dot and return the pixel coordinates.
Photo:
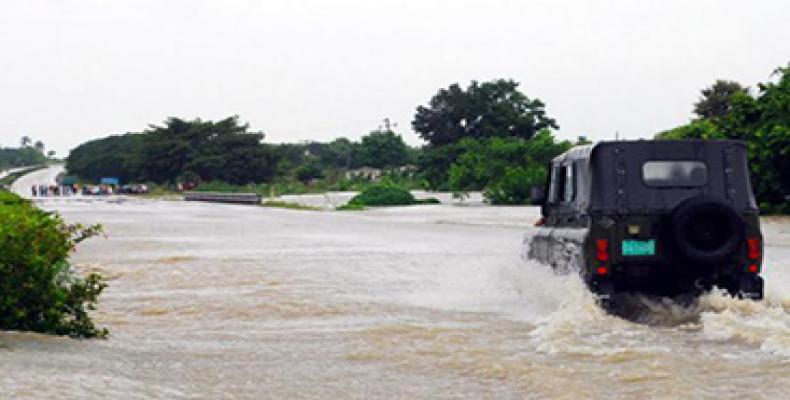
(20, 157)
(39, 289)
(761, 118)
(494, 117)
(487, 136)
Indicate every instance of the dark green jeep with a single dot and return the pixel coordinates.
(666, 218)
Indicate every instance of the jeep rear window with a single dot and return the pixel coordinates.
(675, 173)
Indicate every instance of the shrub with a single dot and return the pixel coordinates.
(38, 289)
(308, 172)
(504, 168)
(513, 188)
(383, 195)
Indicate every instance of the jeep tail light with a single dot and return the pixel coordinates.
(602, 249)
(602, 270)
(753, 268)
(753, 246)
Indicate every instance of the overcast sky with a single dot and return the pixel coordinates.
(73, 70)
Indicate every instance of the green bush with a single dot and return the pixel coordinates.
(383, 195)
(505, 169)
(513, 187)
(39, 291)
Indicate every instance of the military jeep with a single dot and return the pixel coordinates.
(665, 218)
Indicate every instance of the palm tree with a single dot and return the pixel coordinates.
(25, 141)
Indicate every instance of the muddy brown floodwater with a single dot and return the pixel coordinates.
(435, 302)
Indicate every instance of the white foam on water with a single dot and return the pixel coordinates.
(765, 323)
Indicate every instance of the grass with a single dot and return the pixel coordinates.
(288, 205)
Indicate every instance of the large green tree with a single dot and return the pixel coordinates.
(495, 109)
(482, 110)
(382, 149)
(716, 100)
(114, 156)
(224, 150)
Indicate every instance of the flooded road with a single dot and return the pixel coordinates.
(224, 301)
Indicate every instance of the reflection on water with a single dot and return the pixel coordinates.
(220, 301)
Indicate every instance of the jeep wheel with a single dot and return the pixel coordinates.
(706, 231)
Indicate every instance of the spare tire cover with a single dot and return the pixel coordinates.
(706, 230)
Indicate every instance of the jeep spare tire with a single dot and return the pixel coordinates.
(706, 231)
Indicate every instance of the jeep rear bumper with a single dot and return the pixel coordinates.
(741, 284)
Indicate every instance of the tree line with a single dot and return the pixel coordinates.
(201, 151)
(20, 157)
(487, 136)
(28, 153)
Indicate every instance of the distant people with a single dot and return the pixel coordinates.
(33, 189)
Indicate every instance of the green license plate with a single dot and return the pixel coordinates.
(639, 247)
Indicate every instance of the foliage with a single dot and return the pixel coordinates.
(382, 149)
(378, 149)
(118, 156)
(385, 194)
(38, 289)
(434, 164)
(464, 127)
(308, 172)
(21, 157)
(716, 99)
(504, 168)
(700, 129)
(763, 122)
(207, 150)
(482, 110)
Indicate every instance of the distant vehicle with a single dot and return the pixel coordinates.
(667, 218)
(133, 189)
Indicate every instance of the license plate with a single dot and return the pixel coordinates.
(639, 247)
